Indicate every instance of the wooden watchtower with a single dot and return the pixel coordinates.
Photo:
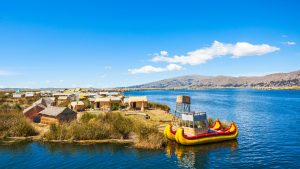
(182, 105)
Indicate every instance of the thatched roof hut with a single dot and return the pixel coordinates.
(77, 106)
(136, 102)
(17, 96)
(57, 115)
(32, 112)
(29, 95)
(46, 101)
(63, 99)
(102, 103)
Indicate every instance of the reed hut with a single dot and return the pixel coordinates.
(136, 102)
(29, 95)
(17, 96)
(46, 101)
(63, 99)
(102, 103)
(57, 115)
(31, 112)
(77, 106)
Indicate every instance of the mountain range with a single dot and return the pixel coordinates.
(194, 81)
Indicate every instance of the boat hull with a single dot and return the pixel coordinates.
(169, 133)
(227, 134)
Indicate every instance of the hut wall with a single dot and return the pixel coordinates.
(195, 131)
(66, 118)
(32, 114)
(102, 105)
(49, 119)
(80, 107)
(183, 99)
(139, 104)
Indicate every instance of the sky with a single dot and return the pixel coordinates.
(105, 44)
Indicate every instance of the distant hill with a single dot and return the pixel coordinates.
(272, 80)
(180, 81)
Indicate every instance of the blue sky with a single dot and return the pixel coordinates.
(122, 43)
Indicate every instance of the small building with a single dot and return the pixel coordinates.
(52, 98)
(77, 106)
(17, 96)
(63, 99)
(57, 115)
(6, 94)
(32, 112)
(136, 102)
(46, 101)
(29, 95)
(102, 103)
(92, 101)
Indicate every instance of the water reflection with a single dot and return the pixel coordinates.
(198, 155)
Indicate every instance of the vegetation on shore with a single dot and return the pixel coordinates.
(154, 105)
(112, 125)
(13, 123)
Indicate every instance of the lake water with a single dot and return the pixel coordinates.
(269, 137)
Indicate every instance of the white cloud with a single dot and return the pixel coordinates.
(61, 81)
(47, 81)
(284, 36)
(107, 67)
(217, 49)
(1, 86)
(73, 85)
(291, 43)
(32, 82)
(149, 54)
(151, 69)
(103, 76)
(6, 73)
(142, 60)
(88, 85)
(164, 53)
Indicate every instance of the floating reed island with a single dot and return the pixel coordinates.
(84, 116)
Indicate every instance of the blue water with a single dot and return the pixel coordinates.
(269, 137)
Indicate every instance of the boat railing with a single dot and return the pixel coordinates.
(194, 113)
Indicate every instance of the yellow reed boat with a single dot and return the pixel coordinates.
(195, 130)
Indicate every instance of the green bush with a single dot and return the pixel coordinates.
(86, 117)
(154, 105)
(64, 104)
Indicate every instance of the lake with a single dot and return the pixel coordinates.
(269, 137)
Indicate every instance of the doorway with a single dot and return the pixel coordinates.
(134, 105)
